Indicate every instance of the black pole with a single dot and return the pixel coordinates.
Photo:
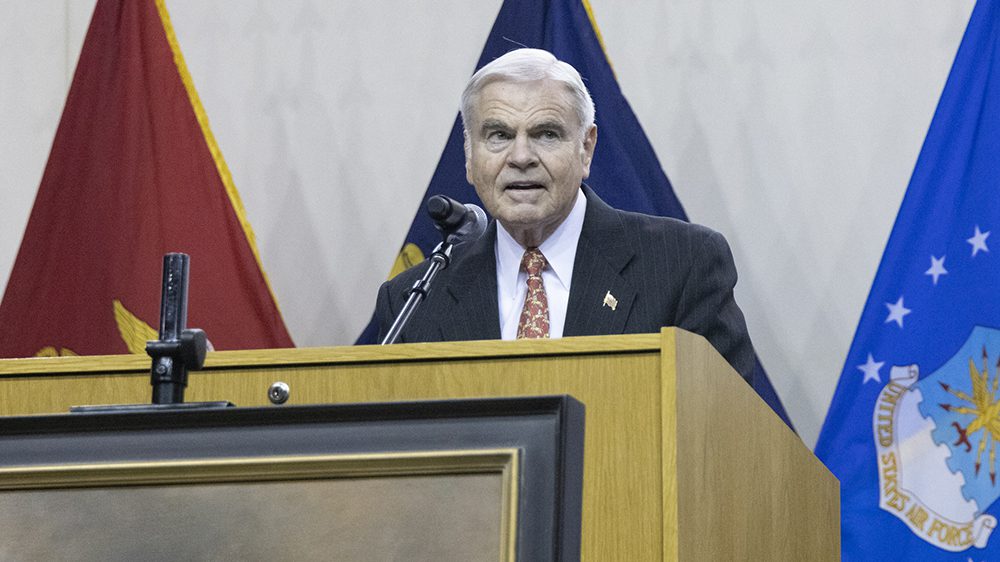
(179, 349)
(439, 260)
(169, 377)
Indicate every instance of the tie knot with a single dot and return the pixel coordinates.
(533, 261)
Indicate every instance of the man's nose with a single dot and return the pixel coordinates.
(522, 153)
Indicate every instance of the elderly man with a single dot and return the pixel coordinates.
(558, 261)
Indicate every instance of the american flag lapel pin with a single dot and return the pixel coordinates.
(610, 301)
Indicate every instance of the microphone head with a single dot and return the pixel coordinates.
(474, 225)
(446, 212)
(458, 222)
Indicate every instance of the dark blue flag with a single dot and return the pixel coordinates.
(913, 428)
(625, 172)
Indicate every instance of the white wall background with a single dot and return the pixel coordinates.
(791, 127)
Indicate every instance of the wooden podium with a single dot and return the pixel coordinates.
(682, 460)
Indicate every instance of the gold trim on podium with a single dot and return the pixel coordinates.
(503, 462)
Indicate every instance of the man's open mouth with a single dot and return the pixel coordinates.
(525, 185)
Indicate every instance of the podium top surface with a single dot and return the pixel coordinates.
(633, 343)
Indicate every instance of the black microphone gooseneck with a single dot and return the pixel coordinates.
(457, 223)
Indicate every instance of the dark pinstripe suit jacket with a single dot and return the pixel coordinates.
(664, 272)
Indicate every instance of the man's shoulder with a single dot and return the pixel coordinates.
(633, 225)
(643, 225)
(408, 276)
(404, 280)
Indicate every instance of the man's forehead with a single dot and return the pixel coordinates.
(515, 90)
(544, 99)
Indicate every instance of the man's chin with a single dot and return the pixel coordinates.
(520, 224)
(521, 216)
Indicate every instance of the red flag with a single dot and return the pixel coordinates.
(134, 173)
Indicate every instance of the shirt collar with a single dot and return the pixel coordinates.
(559, 248)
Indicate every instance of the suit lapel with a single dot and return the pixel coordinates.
(600, 298)
(473, 290)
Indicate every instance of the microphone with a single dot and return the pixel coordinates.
(459, 222)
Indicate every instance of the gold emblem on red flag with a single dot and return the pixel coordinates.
(50, 351)
(135, 333)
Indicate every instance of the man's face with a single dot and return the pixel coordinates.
(526, 156)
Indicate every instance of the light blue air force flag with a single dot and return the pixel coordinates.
(913, 429)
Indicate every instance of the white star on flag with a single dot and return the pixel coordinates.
(897, 312)
(937, 268)
(870, 368)
(978, 241)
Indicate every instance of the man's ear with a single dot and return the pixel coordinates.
(467, 147)
(589, 143)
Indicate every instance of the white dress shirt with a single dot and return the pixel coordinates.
(559, 250)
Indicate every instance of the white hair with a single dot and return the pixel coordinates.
(528, 65)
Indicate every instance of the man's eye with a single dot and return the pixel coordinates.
(550, 135)
(497, 136)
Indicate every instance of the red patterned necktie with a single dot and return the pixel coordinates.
(534, 321)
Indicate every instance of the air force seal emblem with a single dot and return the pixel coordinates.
(936, 440)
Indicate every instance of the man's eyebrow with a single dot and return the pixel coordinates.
(557, 126)
(490, 124)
